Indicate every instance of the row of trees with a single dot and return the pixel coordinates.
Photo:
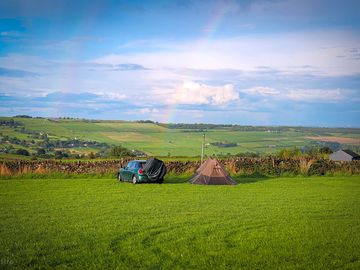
(9, 123)
(224, 144)
(42, 141)
(113, 152)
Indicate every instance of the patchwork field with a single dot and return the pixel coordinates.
(278, 223)
(161, 140)
(335, 139)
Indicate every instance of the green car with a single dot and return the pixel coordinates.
(133, 172)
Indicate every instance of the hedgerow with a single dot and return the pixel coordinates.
(246, 166)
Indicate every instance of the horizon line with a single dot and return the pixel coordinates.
(175, 123)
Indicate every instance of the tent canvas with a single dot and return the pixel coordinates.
(203, 165)
(211, 173)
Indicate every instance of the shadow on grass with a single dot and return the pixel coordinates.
(58, 175)
(240, 179)
(177, 179)
(169, 179)
(250, 178)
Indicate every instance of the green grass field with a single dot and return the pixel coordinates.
(278, 223)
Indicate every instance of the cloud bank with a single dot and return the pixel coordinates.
(198, 93)
(246, 62)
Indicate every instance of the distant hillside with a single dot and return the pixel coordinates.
(85, 136)
(205, 127)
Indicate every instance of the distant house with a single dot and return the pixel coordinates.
(344, 155)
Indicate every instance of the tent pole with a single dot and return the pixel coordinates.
(202, 149)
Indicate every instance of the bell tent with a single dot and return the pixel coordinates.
(211, 173)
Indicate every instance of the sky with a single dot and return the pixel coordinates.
(260, 62)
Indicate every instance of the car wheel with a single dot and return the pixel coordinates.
(161, 180)
(134, 180)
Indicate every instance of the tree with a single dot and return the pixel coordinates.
(119, 151)
(325, 150)
(60, 154)
(22, 152)
(41, 151)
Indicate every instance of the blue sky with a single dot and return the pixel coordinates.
(279, 62)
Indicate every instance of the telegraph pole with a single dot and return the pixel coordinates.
(202, 148)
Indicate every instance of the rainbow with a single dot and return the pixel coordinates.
(67, 73)
(209, 30)
(212, 25)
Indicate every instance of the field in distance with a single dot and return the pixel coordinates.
(279, 223)
(174, 140)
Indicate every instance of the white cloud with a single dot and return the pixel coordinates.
(197, 93)
(262, 90)
(111, 95)
(148, 111)
(317, 95)
(318, 49)
(13, 34)
(305, 95)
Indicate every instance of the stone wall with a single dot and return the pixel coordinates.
(266, 166)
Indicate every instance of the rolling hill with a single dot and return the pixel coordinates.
(167, 139)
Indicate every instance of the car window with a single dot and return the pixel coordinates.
(138, 165)
(133, 165)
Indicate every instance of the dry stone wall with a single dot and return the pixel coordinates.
(265, 166)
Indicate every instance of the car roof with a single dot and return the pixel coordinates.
(137, 160)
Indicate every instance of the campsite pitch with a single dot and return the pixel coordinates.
(283, 223)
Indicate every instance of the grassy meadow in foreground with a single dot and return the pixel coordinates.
(277, 223)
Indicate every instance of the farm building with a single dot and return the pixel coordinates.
(344, 155)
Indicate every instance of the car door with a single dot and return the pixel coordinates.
(127, 173)
(133, 169)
